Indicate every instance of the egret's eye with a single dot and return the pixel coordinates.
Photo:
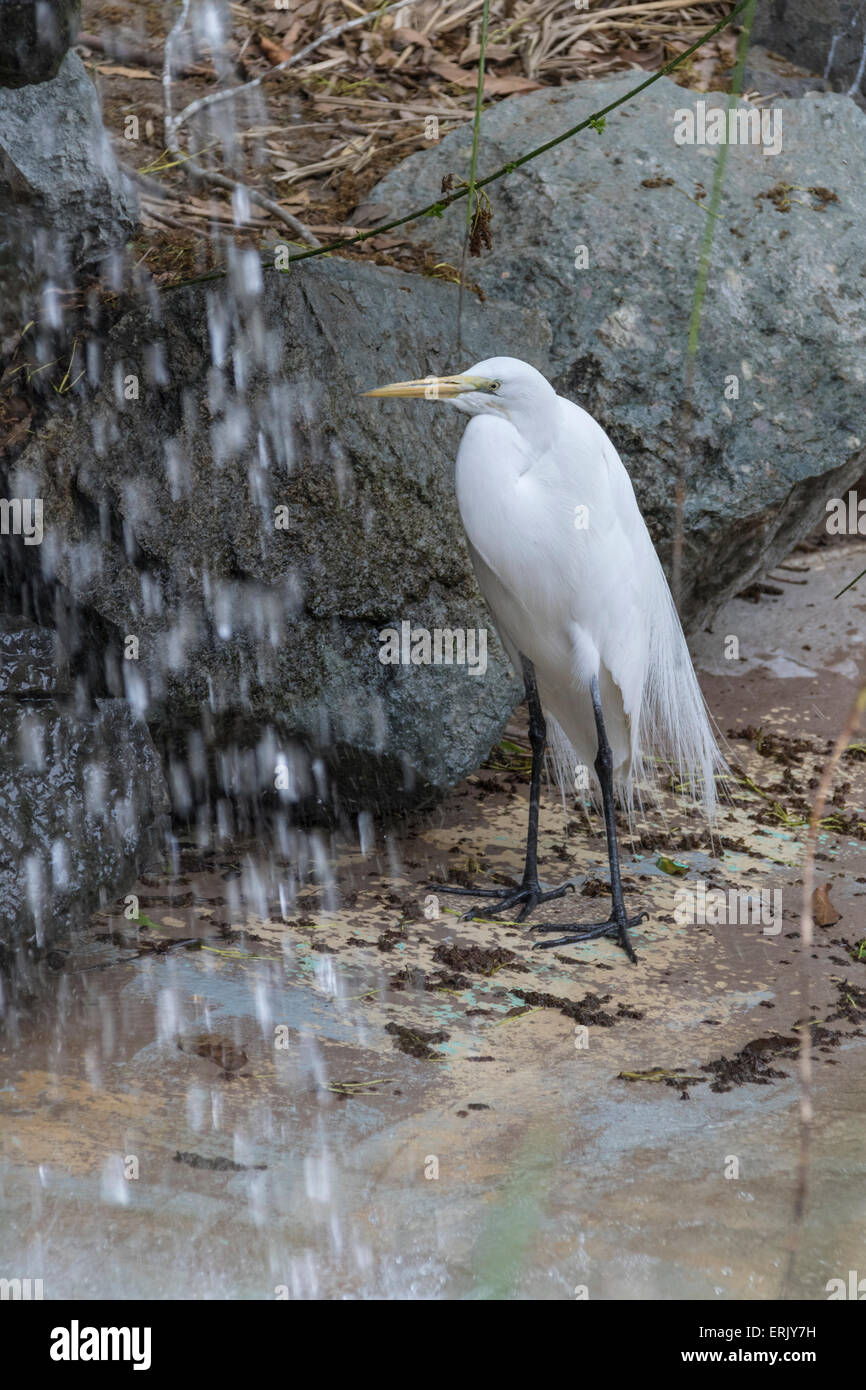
(495, 385)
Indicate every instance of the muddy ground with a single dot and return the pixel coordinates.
(344, 1097)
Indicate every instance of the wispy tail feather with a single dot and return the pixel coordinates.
(674, 721)
(673, 727)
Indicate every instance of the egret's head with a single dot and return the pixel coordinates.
(498, 386)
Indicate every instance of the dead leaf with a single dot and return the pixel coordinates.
(823, 911)
(494, 53)
(386, 243)
(274, 52)
(290, 27)
(494, 86)
(368, 214)
(671, 866)
(300, 198)
(407, 36)
(111, 70)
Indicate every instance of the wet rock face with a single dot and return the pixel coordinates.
(230, 501)
(35, 36)
(826, 36)
(777, 425)
(82, 798)
(768, 72)
(28, 660)
(66, 204)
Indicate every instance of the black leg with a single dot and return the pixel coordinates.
(529, 893)
(537, 740)
(619, 923)
(604, 771)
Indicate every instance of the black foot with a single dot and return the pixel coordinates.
(614, 927)
(530, 894)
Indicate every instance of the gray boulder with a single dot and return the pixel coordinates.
(228, 499)
(783, 313)
(826, 36)
(83, 803)
(65, 203)
(35, 36)
(770, 76)
(29, 660)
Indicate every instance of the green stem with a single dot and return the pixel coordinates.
(699, 296)
(851, 585)
(476, 129)
(716, 194)
(473, 171)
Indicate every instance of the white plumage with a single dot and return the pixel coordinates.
(578, 592)
(580, 600)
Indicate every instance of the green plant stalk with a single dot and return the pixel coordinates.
(700, 294)
(472, 197)
(851, 585)
(476, 127)
(716, 193)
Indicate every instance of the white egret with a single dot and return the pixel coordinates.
(566, 564)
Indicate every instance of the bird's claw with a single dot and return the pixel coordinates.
(529, 894)
(615, 926)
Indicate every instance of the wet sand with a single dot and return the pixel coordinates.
(363, 1101)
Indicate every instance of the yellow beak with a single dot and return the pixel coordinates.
(433, 388)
